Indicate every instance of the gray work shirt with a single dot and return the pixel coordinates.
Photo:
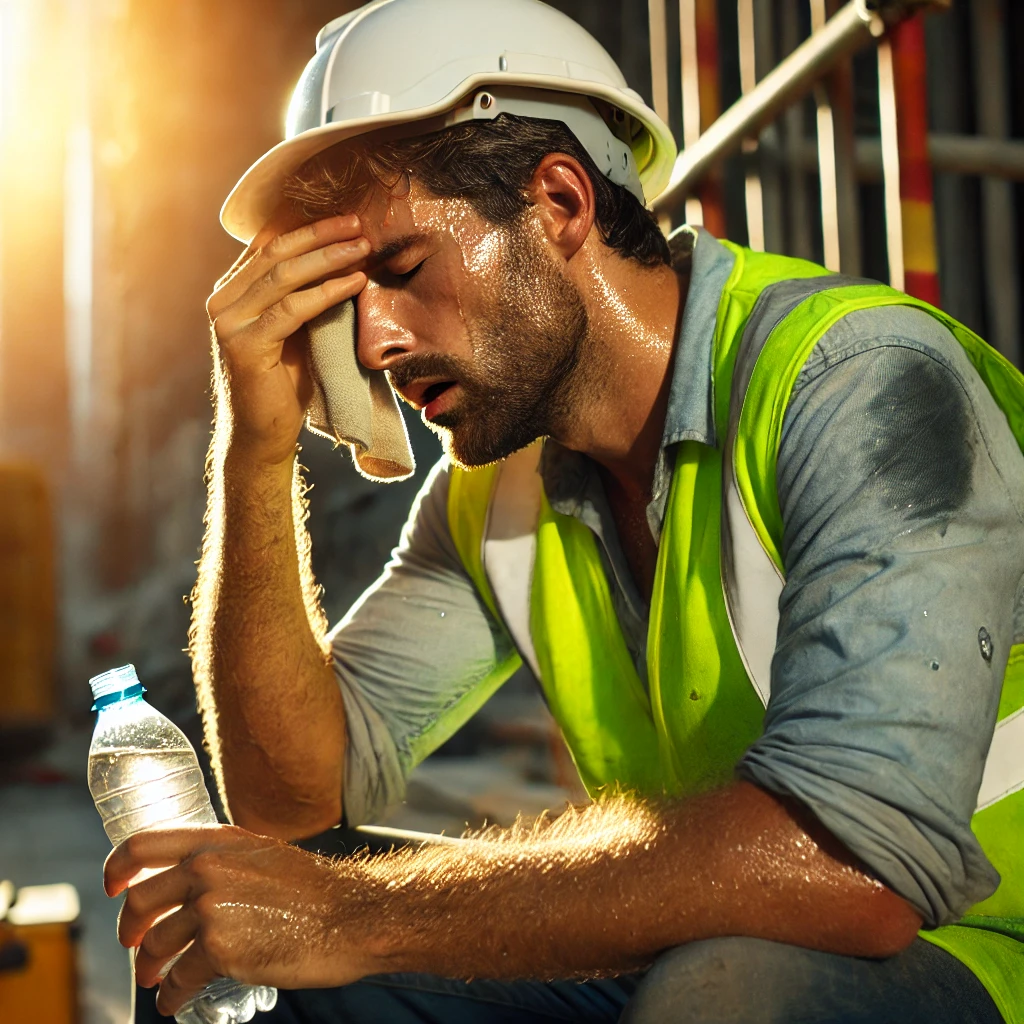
(902, 494)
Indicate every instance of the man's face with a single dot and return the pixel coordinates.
(477, 326)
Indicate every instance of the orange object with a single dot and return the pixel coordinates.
(45, 989)
(706, 31)
(916, 204)
(27, 602)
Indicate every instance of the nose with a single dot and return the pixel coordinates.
(381, 338)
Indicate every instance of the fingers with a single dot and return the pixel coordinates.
(162, 942)
(287, 277)
(190, 975)
(267, 332)
(288, 280)
(270, 248)
(145, 902)
(159, 848)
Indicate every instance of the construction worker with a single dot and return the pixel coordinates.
(757, 530)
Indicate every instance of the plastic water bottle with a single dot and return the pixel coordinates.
(143, 773)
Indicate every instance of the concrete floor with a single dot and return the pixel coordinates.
(51, 833)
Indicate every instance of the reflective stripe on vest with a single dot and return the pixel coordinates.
(510, 545)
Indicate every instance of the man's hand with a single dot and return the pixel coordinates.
(253, 909)
(258, 311)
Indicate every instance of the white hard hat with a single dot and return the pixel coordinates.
(433, 63)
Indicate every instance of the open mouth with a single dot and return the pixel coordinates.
(438, 399)
(435, 391)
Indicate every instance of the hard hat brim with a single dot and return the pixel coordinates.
(257, 193)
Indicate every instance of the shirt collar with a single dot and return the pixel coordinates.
(567, 475)
(691, 400)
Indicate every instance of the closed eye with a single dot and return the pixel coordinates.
(411, 273)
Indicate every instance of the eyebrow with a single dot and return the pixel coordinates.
(391, 249)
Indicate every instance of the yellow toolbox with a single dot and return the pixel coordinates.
(38, 954)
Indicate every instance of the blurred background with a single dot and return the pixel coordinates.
(123, 125)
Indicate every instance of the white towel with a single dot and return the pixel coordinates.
(352, 405)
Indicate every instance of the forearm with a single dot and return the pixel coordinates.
(610, 890)
(598, 892)
(272, 710)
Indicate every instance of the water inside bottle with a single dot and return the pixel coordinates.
(139, 789)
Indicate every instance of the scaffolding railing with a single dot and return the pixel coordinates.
(903, 157)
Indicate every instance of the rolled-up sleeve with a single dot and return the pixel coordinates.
(901, 490)
(416, 642)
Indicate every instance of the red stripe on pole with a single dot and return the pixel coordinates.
(912, 109)
(706, 31)
(911, 89)
(922, 284)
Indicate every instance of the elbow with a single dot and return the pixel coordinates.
(890, 927)
(291, 820)
(900, 929)
(289, 802)
(320, 817)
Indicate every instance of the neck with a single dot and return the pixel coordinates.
(617, 412)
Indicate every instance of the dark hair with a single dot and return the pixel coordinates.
(487, 163)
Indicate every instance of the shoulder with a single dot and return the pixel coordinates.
(888, 331)
(889, 395)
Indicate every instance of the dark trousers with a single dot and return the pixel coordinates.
(724, 981)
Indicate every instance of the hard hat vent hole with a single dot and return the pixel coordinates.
(486, 99)
(503, 63)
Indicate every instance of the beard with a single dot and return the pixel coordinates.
(528, 346)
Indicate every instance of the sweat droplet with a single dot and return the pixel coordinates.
(985, 643)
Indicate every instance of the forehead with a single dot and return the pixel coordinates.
(386, 219)
(413, 212)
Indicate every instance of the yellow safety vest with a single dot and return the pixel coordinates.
(714, 607)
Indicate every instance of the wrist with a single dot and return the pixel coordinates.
(243, 463)
(363, 922)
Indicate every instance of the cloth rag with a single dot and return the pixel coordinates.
(353, 405)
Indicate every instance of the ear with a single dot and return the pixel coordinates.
(563, 196)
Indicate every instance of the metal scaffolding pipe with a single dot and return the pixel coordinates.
(851, 28)
(828, 171)
(890, 145)
(792, 137)
(950, 154)
(753, 192)
(998, 208)
(658, 31)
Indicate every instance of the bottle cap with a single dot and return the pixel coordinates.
(117, 684)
